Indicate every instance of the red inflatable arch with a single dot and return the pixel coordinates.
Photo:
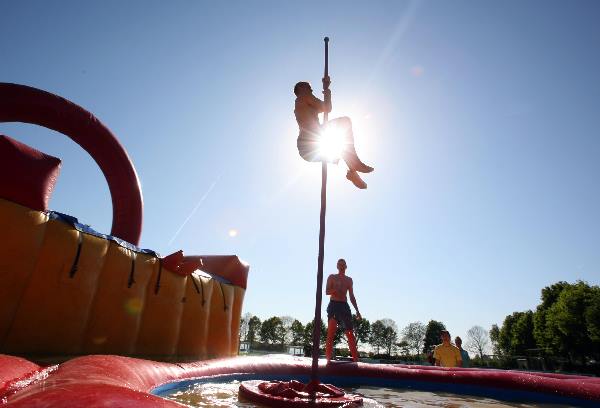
(19, 103)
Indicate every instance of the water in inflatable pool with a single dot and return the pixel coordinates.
(221, 395)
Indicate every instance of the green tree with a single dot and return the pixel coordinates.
(404, 347)
(567, 324)
(522, 335)
(516, 334)
(338, 337)
(376, 339)
(253, 330)
(433, 335)
(362, 330)
(494, 338)
(414, 335)
(308, 337)
(390, 335)
(505, 334)
(592, 317)
(272, 331)
(244, 326)
(550, 294)
(297, 330)
(286, 328)
(567, 321)
(390, 339)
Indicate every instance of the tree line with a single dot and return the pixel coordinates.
(565, 326)
(381, 337)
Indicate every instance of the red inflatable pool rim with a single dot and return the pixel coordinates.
(100, 381)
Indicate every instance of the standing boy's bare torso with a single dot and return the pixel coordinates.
(338, 286)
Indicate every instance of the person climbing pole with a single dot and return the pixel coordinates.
(338, 311)
(307, 109)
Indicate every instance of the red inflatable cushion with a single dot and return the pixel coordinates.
(173, 262)
(189, 266)
(27, 176)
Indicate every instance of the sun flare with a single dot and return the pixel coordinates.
(332, 142)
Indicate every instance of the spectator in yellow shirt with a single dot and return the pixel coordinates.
(446, 354)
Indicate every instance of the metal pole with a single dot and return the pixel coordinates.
(317, 322)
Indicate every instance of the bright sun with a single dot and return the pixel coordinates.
(332, 142)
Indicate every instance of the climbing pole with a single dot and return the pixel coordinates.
(314, 377)
(290, 394)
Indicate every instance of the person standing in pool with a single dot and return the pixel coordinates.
(338, 311)
(447, 354)
(307, 109)
(466, 360)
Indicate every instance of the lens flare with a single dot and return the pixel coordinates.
(233, 233)
(332, 142)
(133, 306)
(99, 340)
(417, 71)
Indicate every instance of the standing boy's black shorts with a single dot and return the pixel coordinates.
(340, 311)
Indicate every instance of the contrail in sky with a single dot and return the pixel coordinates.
(400, 30)
(195, 209)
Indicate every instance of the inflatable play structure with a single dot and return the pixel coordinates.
(67, 290)
(92, 320)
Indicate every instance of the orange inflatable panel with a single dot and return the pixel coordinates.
(66, 290)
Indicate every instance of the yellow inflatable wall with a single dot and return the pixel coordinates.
(64, 292)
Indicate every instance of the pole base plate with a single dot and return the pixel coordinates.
(296, 394)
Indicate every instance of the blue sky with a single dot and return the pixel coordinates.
(481, 119)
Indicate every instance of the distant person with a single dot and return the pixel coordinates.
(307, 109)
(466, 360)
(430, 358)
(338, 311)
(446, 354)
